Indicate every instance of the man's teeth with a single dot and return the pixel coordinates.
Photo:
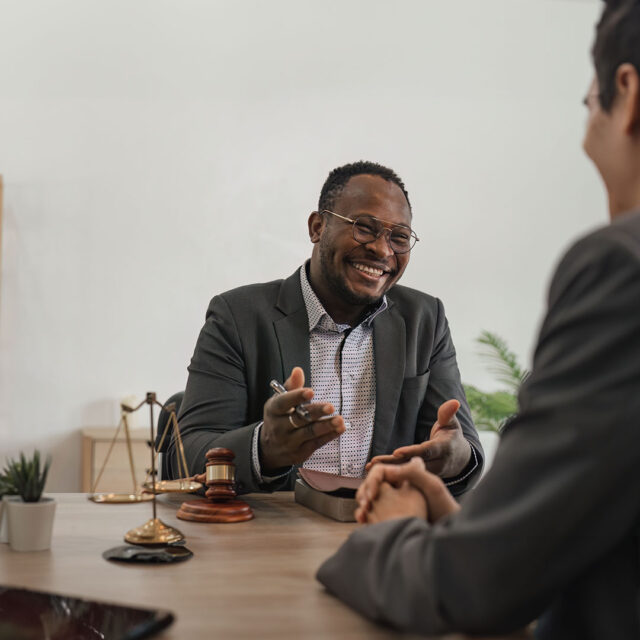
(370, 270)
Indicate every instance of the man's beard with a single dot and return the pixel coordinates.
(337, 282)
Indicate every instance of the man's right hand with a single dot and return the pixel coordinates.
(285, 439)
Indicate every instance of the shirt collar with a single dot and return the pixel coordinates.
(317, 313)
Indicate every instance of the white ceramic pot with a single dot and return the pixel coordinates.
(30, 523)
(4, 532)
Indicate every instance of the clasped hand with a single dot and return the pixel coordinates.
(285, 438)
(400, 491)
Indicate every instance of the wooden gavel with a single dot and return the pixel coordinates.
(221, 504)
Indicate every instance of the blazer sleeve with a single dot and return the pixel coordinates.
(562, 493)
(215, 406)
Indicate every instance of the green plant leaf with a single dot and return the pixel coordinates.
(490, 411)
(503, 363)
(26, 478)
(6, 486)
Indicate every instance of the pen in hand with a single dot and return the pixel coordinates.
(300, 410)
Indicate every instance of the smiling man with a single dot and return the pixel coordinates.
(379, 357)
(347, 273)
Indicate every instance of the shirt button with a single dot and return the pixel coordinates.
(347, 424)
(350, 467)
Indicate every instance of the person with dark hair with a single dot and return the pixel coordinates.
(553, 530)
(339, 177)
(378, 356)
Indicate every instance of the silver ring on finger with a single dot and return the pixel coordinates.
(293, 424)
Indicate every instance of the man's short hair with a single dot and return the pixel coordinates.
(617, 41)
(339, 177)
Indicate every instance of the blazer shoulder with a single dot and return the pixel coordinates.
(254, 293)
(625, 232)
(600, 256)
(262, 301)
(622, 235)
(247, 303)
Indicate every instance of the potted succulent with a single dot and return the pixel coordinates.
(29, 515)
(6, 489)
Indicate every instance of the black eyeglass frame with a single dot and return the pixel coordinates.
(385, 226)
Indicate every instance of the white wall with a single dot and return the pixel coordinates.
(156, 153)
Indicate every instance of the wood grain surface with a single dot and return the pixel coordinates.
(252, 579)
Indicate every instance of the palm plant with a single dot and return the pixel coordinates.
(491, 411)
(26, 477)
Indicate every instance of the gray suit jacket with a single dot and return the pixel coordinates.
(258, 332)
(554, 524)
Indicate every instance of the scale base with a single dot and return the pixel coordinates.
(154, 531)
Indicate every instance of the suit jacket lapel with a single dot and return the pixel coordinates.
(389, 349)
(292, 330)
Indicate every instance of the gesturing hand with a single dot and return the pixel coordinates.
(438, 500)
(446, 453)
(284, 438)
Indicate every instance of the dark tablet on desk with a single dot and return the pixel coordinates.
(35, 615)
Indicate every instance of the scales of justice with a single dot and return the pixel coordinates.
(220, 505)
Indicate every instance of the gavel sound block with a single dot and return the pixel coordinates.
(221, 504)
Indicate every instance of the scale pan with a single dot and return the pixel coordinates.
(120, 498)
(173, 486)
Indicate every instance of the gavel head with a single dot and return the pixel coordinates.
(220, 474)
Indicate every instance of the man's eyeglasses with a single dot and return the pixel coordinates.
(368, 229)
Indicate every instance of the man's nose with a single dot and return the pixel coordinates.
(382, 244)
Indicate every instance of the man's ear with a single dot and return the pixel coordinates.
(316, 224)
(628, 92)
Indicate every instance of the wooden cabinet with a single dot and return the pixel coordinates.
(116, 477)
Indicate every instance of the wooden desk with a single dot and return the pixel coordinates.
(249, 580)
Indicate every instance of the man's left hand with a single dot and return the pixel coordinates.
(446, 453)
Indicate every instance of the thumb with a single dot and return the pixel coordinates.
(295, 380)
(447, 411)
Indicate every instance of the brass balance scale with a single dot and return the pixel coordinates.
(154, 531)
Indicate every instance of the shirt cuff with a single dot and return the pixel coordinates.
(467, 471)
(255, 459)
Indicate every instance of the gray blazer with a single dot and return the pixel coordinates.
(258, 332)
(554, 526)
